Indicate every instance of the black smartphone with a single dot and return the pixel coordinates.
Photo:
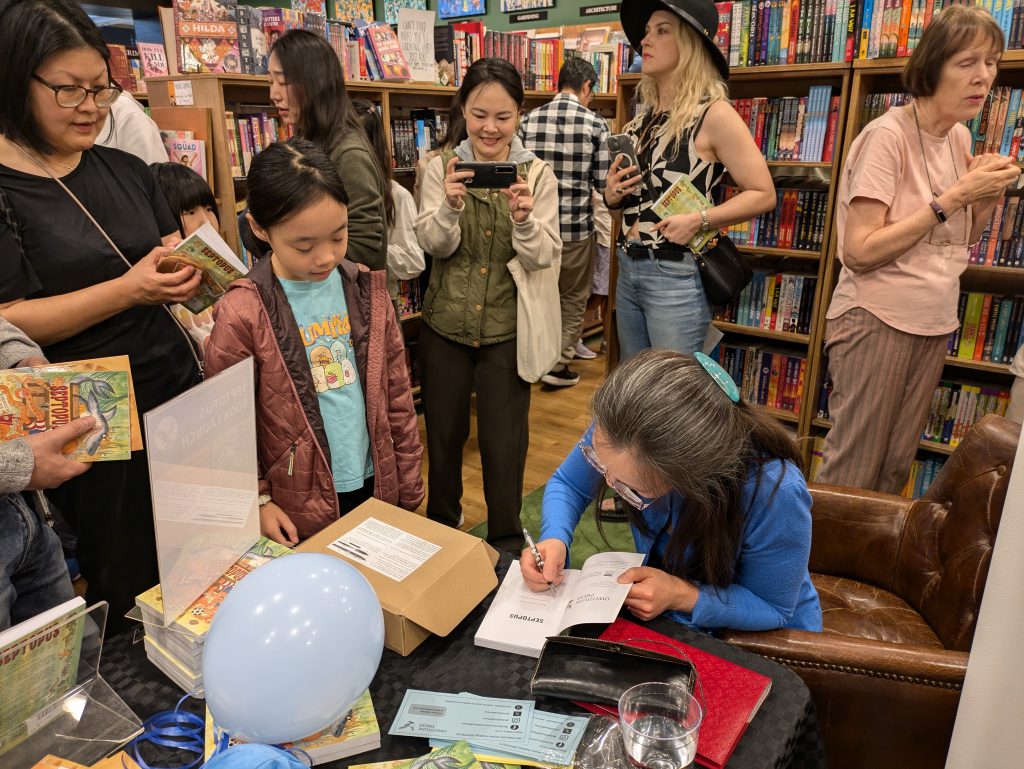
(493, 175)
(621, 145)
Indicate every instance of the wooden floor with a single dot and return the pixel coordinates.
(558, 418)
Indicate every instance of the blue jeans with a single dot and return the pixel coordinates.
(660, 303)
(33, 575)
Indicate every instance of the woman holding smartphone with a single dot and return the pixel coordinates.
(468, 339)
(685, 125)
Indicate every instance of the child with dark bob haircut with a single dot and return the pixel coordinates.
(335, 417)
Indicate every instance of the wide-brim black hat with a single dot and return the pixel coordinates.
(701, 15)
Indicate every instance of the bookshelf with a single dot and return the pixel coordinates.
(883, 76)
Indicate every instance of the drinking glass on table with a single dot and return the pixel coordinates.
(659, 724)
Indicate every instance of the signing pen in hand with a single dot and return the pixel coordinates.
(537, 557)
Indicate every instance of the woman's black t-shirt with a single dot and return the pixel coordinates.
(64, 252)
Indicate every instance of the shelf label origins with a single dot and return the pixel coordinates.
(522, 18)
(599, 10)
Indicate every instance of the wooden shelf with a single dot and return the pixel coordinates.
(140, 95)
(939, 448)
(978, 365)
(798, 164)
(790, 71)
(416, 390)
(781, 414)
(980, 269)
(782, 336)
(789, 253)
(411, 316)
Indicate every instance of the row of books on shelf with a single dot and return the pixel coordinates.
(774, 302)
(770, 378)
(888, 28)
(797, 222)
(955, 407)
(413, 137)
(877, 104)
(410, 297)
(1001, 243)
(922, 471)
(990, 328)
(997, 127)
(538, 58)
(249, 133)
(780, 32)
(800, 128)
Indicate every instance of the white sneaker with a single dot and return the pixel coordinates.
(584, 352)
(462, 521)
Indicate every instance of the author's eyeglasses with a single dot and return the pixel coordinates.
(70, 96)
(631, 497)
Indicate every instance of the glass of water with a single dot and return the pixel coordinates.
(659, 724)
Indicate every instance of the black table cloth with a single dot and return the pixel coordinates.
(784, 733)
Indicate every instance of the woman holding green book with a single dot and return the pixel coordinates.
(685, 126)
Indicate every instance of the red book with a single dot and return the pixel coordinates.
(388, 51)
(830, 132)
(732, 694)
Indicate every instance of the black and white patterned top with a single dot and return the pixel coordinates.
(663, 160)
(573, 140)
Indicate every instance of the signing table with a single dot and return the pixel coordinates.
(784, 733)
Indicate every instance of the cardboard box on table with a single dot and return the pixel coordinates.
(435, 597)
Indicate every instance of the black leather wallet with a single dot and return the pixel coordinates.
(590, 670)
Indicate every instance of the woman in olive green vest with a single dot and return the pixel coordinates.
(308, 89)
(468, 340)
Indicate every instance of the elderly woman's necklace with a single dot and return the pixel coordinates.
(924, 159)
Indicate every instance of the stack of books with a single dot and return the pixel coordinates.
(177, 649)
(356, 732)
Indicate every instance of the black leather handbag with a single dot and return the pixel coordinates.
(590, 670)
(724, 271)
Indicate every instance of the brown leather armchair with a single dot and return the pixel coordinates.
(900, 583)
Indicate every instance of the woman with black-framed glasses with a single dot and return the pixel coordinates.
(717, 500)
(63, 284)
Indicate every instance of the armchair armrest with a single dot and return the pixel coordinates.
(907, 663)
(856, 533)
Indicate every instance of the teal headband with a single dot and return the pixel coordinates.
(720, 376)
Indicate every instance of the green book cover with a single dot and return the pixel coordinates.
(683, 198)
(34, 400)
(38, 666)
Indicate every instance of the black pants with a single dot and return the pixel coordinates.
(350, 500)
(450, 373)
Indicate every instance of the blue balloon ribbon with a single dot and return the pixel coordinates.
(177, 729)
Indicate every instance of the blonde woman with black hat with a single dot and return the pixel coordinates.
(685, 125)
